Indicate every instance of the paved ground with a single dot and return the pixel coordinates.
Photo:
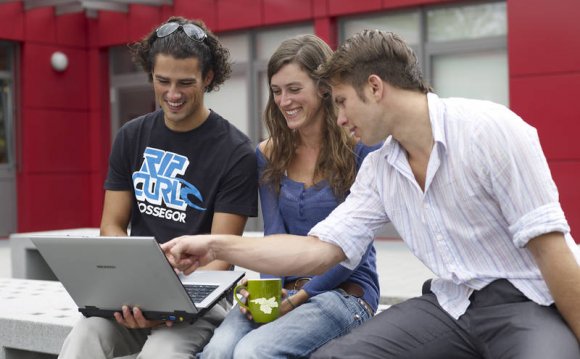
(400, 273)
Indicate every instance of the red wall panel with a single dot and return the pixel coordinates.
(326, 29)
(320, 8)
(55, 141)
(281, 11)
(543, 36)
(99, 128)
(53, 201)
(341, 7)
(93, 30)
(142, 20)
(100, 135)
(544, 67)
(112, 28)
(548, 103)
(12, 21)
(236, 14)
(98, 82)
(565, 174)
(40, 25)
(46, 88)
(71, 29)
(198, 9)
(390, 4)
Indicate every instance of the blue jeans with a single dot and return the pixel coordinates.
(294, 335)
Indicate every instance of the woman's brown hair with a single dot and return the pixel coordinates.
(336, 162)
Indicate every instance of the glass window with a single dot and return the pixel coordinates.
(263, 95)
(406, 25)
(4, 58)
(121, 62)
(231, 102)
(3, 122)
(267, 41)
(239, 46)
(463, 51)
(135, 101)
(467, 22)
(234, 96)
(131, 93)
(8, 205)
(455, 75)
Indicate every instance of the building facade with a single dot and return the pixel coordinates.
(57, 125)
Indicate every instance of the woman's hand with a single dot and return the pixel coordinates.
(291, 302)
(244, 293)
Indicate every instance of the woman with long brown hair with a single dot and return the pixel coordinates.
(306, 167)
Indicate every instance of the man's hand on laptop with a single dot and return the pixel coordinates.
(134, 319)
(188, 253)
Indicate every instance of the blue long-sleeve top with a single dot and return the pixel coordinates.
(296, 209)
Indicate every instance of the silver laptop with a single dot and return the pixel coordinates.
(102, 274)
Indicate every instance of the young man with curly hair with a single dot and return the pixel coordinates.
(182, 169)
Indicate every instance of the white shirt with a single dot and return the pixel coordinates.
(488, 191)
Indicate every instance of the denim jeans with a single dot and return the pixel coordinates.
(294, 335)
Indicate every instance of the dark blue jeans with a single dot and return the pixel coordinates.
(500, 323)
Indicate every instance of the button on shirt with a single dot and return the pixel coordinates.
(488, 191)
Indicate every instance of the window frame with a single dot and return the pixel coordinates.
(426, 50)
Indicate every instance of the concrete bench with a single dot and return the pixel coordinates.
(35, 318)
(27, 263)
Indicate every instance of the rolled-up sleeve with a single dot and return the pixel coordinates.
(520, 179)
(546, 219)
(355, 222)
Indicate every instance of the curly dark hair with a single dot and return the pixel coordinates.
(210, 52)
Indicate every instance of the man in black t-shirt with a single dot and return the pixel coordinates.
(179, 170)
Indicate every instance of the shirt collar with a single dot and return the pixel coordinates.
(437, 117)
(391, 147)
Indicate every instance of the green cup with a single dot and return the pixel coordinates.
(264, 299)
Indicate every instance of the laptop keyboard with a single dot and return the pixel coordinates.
(198, 292)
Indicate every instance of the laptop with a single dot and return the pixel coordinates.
(102, 274)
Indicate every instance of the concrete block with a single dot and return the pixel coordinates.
(35, 317)
(27, 263)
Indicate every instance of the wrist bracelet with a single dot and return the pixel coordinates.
(290, 302)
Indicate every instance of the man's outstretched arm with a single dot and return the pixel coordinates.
(225, 223)
(281, 254)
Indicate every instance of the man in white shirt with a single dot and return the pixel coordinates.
(467, 186)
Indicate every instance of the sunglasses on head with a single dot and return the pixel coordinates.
(193, 31)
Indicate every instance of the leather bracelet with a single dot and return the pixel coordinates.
(290, 302)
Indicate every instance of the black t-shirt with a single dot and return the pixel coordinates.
(180, 179)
